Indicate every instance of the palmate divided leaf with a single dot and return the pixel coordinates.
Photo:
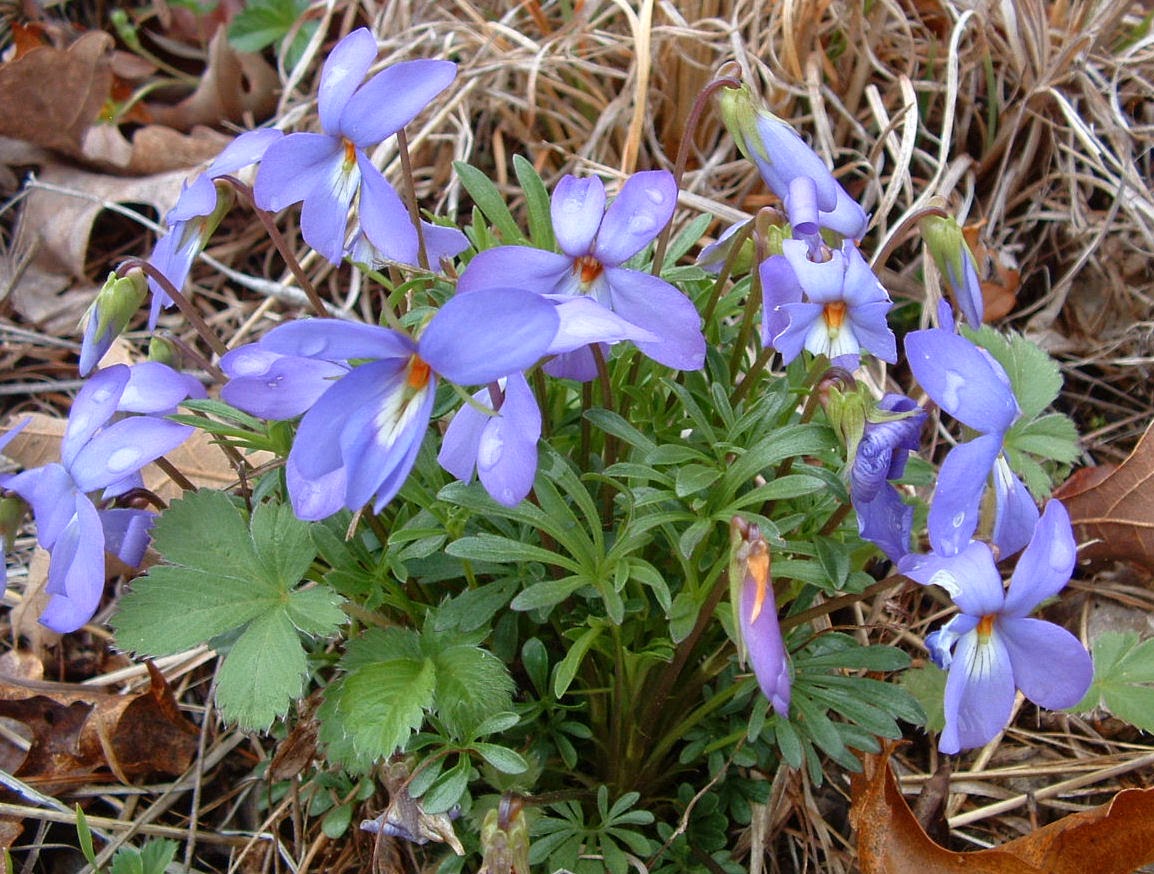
(235, 582)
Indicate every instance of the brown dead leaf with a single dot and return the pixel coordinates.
(997, 273)
(1111, 506)
(234, 85)
(50, 96)
(154, 149)
(890, 841)
(65, 733)
(1114, 838)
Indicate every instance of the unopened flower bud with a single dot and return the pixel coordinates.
(108, 316)
(161, 349)
(954, 260)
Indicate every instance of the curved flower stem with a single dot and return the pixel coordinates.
(278, 240)
(833, 604)
(739, 239)
(683, 155)
(411, 190)
(899, 234)
(751, 375)
(187, 310)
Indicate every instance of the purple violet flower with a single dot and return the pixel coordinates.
(833, 307)
(326, 170)
(884, 518)
(992, 648)
(108, 316)
(595, 241)
(782, 156)
(103, 454)
(973, 388)
(197, 212)
(502, 447)
(363, 425)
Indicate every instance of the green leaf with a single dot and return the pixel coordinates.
(472, 685)
(84, 836)
(688, 237)
(788, 742)
(263, 22)
(693, 478)
(336, 822)
(1034, 375)
(127, 861)
(502, 758)
(506, 550)
(229, 577)
(316, 611)
(536, 203)
(1123, 678)
(157, 854)
(372, 712)
(447, 789)
(927, 684)
(489, 201)
(567, 668)
(263, 673)
(548, 593)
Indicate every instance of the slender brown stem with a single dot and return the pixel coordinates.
(411, 190)
(187, 309)
(902, 231)
(824, 609)
(266, 218)
(683, 154)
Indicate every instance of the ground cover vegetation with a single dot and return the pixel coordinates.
(577, 437)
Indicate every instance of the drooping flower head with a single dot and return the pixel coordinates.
(782, 156)
(367, 392)
(595, 241)
(751, 589)
(326, 170)
(888, 438)
(947, 245)
(833, 307)
(197, 213)
(972, 387)
(101, 453)
(992, 648)
(115, 305)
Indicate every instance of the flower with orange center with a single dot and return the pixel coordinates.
(326, 171)
(992, 647)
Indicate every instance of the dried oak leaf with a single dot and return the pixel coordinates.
(1114, 838)
(71, 733)
(50, 96)
(1111, 507)
(234, 85)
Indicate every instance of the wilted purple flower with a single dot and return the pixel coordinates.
(973, 388)
(100, 453)
(363, 424)
(833, 307)
(502, 447)
(782, 156)
(197, 212)
(756, 610)
(883, 517)
(326, 170)
(991, 648)
(595, 242)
